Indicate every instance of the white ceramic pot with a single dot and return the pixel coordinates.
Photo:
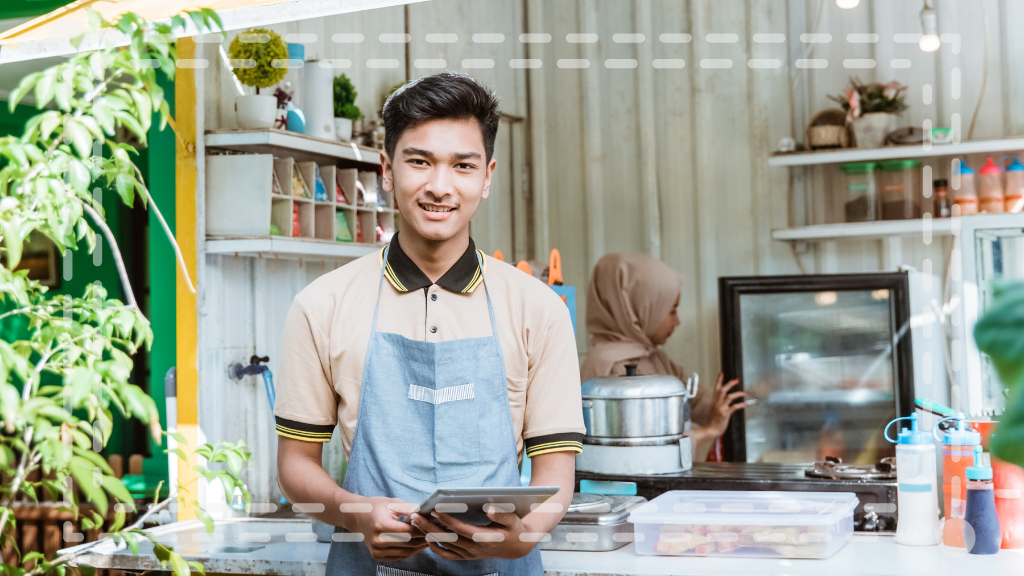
(254, 112)
(871, 129)
(343, 129)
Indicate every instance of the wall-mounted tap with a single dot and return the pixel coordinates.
(237, 371)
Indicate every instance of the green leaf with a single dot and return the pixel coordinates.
(125, 188)
(81, 140)
(205, 518)
(23, 87)
(197, 567)
(46, 86)
(81, 470)
(1000, 335)
(12, 242)
(178, 565)
(86, 570)
(114, 486)
(133, 543)
(118, 519)
(179, 437)
(10, 401)
(178, 452)
(143, 107)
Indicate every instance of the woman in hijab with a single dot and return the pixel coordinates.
(631, 312)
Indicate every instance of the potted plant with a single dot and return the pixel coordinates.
(254, 54)
(345, 109)
(871, 110)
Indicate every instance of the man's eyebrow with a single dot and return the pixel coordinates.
(466, 156)
(412, 151)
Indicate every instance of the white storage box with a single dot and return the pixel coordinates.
(726, 523)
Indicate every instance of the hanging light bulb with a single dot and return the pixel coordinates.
(847, 4)
(929, 29)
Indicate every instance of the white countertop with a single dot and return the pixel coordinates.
(289, 548)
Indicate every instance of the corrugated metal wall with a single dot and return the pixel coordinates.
(670, 161)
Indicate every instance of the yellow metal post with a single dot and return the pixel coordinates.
(185, 229)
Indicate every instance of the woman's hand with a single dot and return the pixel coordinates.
(722, 406)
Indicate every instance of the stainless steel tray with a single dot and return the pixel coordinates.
(594, 523)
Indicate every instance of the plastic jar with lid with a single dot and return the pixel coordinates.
(899, 183)
(990, 188)
(861, 203)
(965, 196)
(1015, 187)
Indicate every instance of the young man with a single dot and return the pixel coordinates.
(438, 364)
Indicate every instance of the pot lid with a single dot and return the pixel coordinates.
(632, 386)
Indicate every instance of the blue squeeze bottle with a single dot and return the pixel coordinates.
(981, 525)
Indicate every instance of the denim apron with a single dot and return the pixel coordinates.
(431, 415)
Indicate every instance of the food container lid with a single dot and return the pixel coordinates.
(964, 168)
(600, 510)
(858, 168)
(747, 508)
(631, 387)
(963, 435)
(1015, 166)
(898, 165)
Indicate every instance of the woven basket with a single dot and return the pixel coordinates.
(828, 130)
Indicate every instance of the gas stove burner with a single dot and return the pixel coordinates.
(834, 468)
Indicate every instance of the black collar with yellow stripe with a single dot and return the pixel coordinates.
(463, 277)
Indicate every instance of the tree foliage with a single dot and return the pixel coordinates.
(86, 343)
(254, 52)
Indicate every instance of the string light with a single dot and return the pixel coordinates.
(847, 4)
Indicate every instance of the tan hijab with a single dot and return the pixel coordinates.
(629, 296)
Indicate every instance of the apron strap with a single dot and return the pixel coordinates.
(490, 308)
(380, 285)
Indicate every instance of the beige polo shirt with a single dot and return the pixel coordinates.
(328, 329)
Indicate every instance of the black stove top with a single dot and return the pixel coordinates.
(876, 511)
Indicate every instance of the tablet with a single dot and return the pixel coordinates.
(467, 504)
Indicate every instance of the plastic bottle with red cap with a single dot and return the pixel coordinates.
(990, 188)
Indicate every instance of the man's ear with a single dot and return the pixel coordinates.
(487, 180)
(388, 178)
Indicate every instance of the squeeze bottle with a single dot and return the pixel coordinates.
(1015, 186)
(966, 197)
(916, 494)
(957, 453)
(1008, 484)
(981, 524)
(990, 188)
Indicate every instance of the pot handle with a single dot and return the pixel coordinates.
(692, 383)
(588, 414)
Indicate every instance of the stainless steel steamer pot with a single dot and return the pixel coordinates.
(635, 410)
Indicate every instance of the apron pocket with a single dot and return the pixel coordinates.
(388, 571)
(440, 433)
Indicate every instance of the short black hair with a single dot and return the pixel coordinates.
(443, 96)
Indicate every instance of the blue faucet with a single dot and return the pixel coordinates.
(237, 371)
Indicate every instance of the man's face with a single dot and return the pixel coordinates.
(439, 175)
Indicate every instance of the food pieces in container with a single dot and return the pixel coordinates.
(738, 523)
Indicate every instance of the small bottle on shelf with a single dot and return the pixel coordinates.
(966, 196)
(990, 188)
(941, 195)
(1015, 186)
(984, 536)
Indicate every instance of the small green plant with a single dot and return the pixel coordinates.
(1000, 335)
(262, 47)
(345, 99)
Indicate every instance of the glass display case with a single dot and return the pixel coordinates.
(826, 361)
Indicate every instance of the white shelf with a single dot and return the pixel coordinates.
(287, 248)
(896, 152)
(284, 143)
(884, 228)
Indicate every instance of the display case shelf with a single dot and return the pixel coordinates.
(287, 248)
(284, 143)
(999, 145)
(887, 228)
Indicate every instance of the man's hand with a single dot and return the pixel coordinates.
(388, 538)
(505, 537)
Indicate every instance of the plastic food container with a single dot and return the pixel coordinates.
(744, 524)
(861, 200)
(899, 185)
(965, 196)
(990, 189)
(1015, 187)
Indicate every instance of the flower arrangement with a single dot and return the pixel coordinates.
(861, 98)
(262, 47)
(345, 99)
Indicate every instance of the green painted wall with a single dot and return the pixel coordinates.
(28, 8)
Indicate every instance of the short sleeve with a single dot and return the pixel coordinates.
(553, 421)
(306, 406)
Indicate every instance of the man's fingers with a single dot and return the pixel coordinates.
(444, 552)
(507, 519)
(426, 526)
(457, 526)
